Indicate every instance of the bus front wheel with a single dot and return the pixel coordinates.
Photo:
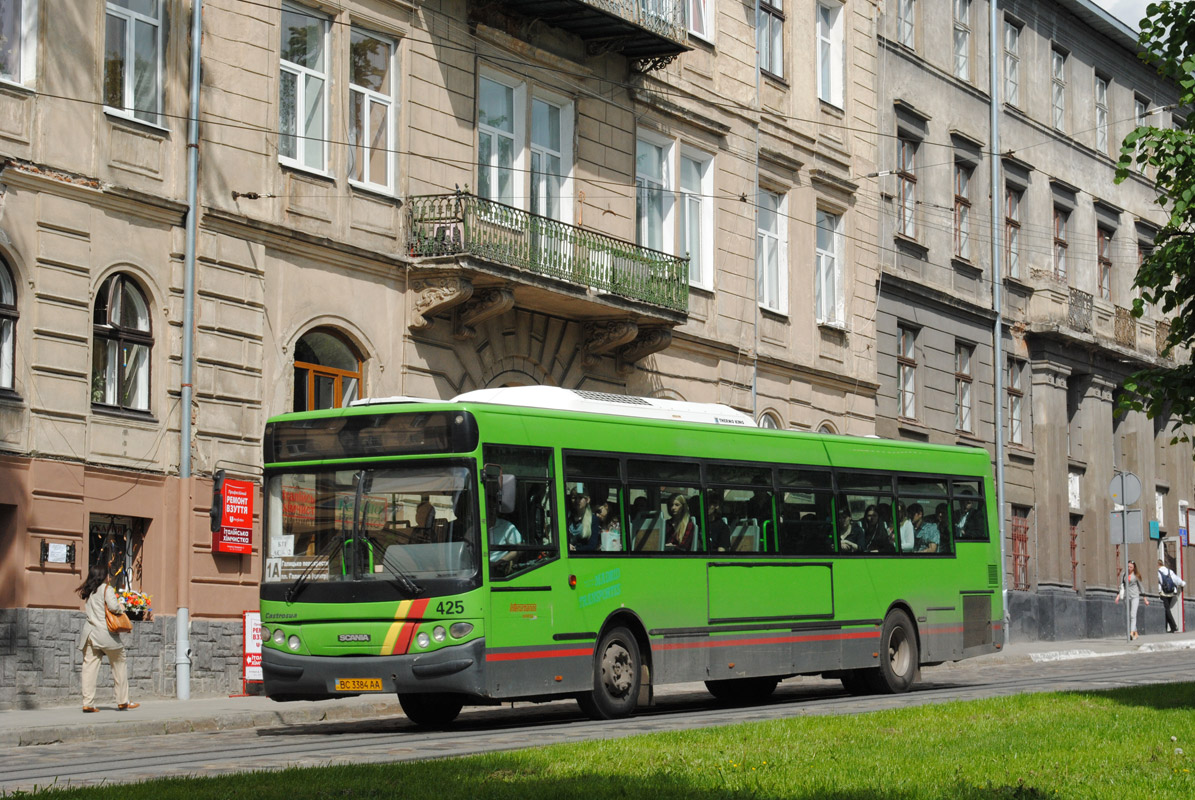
(430, 710)
(616, 675)
(898, 655)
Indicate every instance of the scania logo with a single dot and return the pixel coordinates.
(353, 637)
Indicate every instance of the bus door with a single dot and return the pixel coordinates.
(525, 577)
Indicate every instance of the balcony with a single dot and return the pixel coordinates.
(480, 258)
(652, 32)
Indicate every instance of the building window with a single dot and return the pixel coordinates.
(117, 543)
(496, 143)
(548, 164)
(906, 360)
(18, 41)
(371, 118)
(1101, 114)
(906, 209)
(1058, 90)
(1103, 243)
(962, 211)
(122, 341)
(302, 101)
(1141, 111)
(1012, 64)
(697, 216)
(828, 288)
(1012, 231)
(8, 326)
(653, 187)
(133, 59)
(963, 355)
(327, 371)
(962, 39)
(1020, 548)
(768, 420)
(1160, 506)
(1016, 401)
(769, 252)
(1061, 221)
(906, 23)
(769, 32)
(699, 17)
(829, 53)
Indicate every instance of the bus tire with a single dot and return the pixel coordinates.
(742, 691)
(616, 675)
(859, 681)
(432, 709)
(898, 655)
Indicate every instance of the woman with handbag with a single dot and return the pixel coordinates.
(101, 636)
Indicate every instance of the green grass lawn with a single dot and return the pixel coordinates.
(1119, 745)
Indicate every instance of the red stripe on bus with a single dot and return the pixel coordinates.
(403, 643)
(821, 637)
(588, 651)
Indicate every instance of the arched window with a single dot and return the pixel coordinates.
(327, 371)
(768, 420)
(826, 427)
(121, 347)
(8, 326)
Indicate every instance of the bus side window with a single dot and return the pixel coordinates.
(519, 509)
(969, 522)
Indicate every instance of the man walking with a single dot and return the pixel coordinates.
(1170, 587)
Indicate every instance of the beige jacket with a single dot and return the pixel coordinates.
(96, 627)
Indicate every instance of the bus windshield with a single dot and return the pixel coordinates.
(406, 525)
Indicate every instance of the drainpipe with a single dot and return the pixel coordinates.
(997, 286)
(182, 648)
(755, 236)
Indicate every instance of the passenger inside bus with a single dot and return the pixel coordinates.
(503, 532)
(876, 536)
(680, 530)
(925, 532)
(850, 532)
(716, 524)
(609, 530)
(580, 523)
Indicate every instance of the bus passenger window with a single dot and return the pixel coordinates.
(522, 532)
(805, 523)
(970, 524)
(738, 520)
(593, 516)
(923, 515)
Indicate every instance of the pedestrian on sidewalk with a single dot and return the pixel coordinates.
(1170, 590)
(96, 640)
(1131, 586)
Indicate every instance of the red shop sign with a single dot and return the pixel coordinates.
(235, 534)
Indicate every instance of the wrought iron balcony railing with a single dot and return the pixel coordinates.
(645, 30)
(463, 224)
(1079, 317)
(1126, 328)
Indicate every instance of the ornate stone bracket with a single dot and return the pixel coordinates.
(435, 294)
(651, 340)
(488, 303)
(602, 337)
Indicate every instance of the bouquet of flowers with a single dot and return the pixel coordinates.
(137, 604)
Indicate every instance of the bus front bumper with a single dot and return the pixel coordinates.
(458, 669)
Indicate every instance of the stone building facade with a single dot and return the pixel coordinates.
(394, 198)
(1070, 89)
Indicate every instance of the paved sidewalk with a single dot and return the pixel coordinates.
(163, 716)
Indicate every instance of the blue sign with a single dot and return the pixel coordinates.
(1154, 532)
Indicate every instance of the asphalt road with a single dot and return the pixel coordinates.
(393, 738)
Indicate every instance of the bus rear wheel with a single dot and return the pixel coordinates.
(899, 658)
(616, 675)
(431, 710)
(742, 691)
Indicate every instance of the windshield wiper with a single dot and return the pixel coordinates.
(403, 578)
(297, 586)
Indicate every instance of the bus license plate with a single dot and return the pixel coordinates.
(358, 684)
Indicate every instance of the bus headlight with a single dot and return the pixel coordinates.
(422, 640)
(279, 637)
(265, 633)
(293, 643)
(460, 630)
(438, 633)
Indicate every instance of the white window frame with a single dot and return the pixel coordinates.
(829, 294)
(310, 145)
(1013, 199)
(906, 194)
(1058, 89)
(1012, 64)
(1062, 220)
(1101, 113)
(769, 36)
(27, 64)
(8, 326)
(830, 56)
(964, 379)
(961, 39)
(1141, 111)
(906, 23)
(700, 24)
(664, 184)
(1160, 495)
(699, 203)
(517, 136)
(128, 99)
(906, 372)
(565, 107)
(1016, 401)
(962, 210)
(369, 99)
(1103, 257)
(772, 241)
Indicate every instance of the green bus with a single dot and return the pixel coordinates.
(535, 543)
